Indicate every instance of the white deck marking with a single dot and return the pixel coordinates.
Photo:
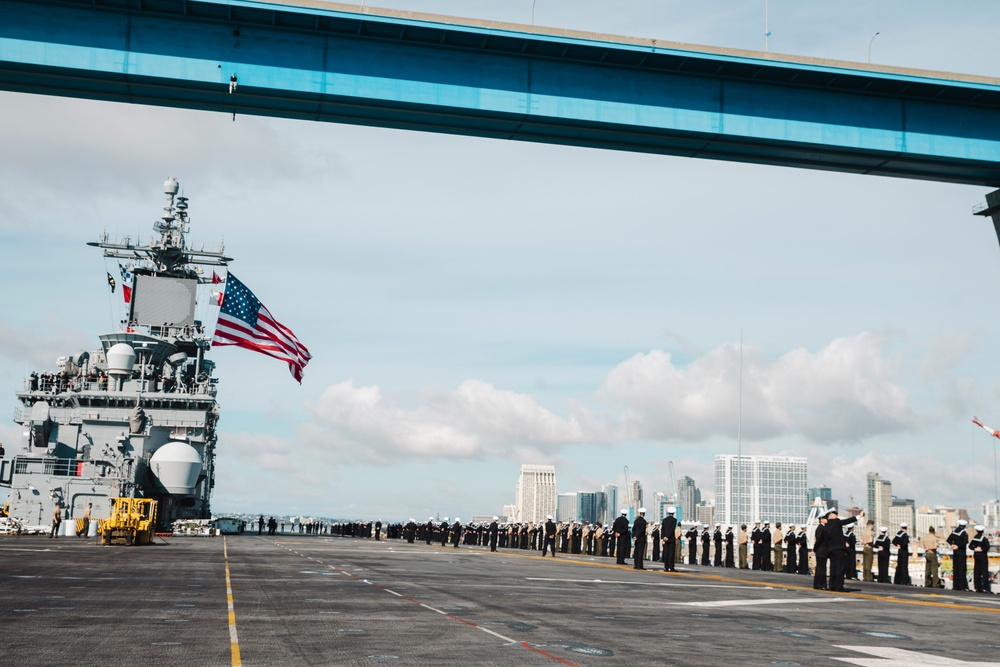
(884, 656)
(638, 583)
(750, 603)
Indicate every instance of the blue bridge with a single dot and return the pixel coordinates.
(329, 62)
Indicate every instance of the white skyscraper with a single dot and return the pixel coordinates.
(769, 488)
(535, 497)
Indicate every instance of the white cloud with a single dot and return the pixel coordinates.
(844, 392)
(476, 420)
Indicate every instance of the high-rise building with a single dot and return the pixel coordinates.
(822, 492)
(991, 514)
(688, 497)
(902, 510)
(768, 488)
(612, 508)
(705, 514)
(565, 507)
(879, 499)
(535, 496)
(658, 510)
(942, 518)
(591, 507)
(635, 495)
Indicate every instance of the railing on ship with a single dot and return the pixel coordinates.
(60, 385)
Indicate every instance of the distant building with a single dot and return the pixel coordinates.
(535, 495)
(768, 488)
(565, 507)
(705, 514)
(879, 499)
(902, 510)
(591, 507)
(508, 513)
(635, 496)
(611, 513)
(824, 494)
(991, 514)
(658, 508)
(688, 497)
(942, 519)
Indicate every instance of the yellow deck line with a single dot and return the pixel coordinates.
(234, 642)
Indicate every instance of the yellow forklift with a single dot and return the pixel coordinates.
(132, 522)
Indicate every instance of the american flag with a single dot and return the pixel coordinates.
(245, 321)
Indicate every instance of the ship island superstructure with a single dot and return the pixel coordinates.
(136, 417)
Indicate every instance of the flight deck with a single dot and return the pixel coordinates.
(291, 600)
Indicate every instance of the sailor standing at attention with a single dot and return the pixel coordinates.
(494, 533)
(620, 527)
(765, 539)
(730, 562)
(706, 545)
(717, 540)
(959, 540)
(456, 532)
(692, 538)
(668, 532)
(758, 550)
(639, 536)
(429, 530)
(655, 542)
(791, 561)
(980, 561)
(444, 532)
(550, 536)
(882, 546)
(821, 548)
(902, 544)
(802, 542)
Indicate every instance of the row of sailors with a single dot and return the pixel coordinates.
(754, 549)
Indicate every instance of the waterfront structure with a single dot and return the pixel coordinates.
(688, 497)
(535, 494)
(565, 507)
(769, 488)
(879, 498)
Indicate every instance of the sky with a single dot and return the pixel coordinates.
(475, 304)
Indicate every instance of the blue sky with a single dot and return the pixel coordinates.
(474, 304)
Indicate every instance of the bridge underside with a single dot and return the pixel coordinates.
(322, 64)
